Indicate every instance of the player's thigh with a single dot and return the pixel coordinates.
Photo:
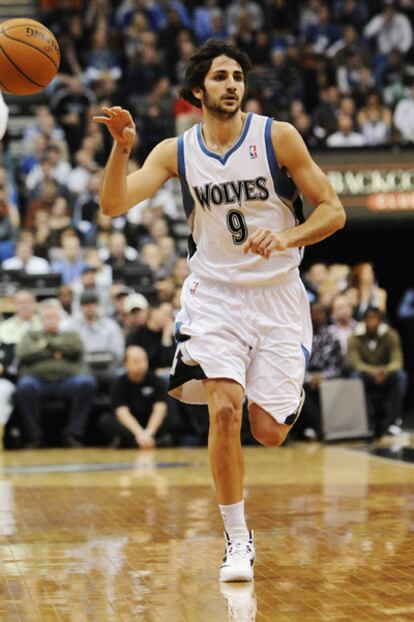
(275, 376)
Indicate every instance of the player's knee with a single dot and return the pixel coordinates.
(271, 436)
(227, 418)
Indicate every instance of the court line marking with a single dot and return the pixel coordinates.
(91, 467)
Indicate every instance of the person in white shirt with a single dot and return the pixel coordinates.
(404, 117)
(343, 323)
(345, 136)
(25, 260)
(391, 28)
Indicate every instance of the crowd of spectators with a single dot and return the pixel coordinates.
(88, 342)
(342, 72)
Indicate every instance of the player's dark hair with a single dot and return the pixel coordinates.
(200, 63)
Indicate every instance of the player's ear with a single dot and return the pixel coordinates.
(198, 93)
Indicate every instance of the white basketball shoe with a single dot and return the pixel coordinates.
(238, 558)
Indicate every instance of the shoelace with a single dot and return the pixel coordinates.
(239, 550)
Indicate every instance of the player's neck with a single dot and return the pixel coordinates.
(220, 135)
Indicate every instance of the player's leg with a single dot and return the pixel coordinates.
(225, 402)
(266, 429)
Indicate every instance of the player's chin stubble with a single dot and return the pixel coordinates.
(217, 110)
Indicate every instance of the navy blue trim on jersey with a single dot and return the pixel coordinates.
(188, 201)
(223, 158)
(184, 373)
(306, 354)
(298, 209)
(284, 186)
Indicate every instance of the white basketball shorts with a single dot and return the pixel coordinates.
(260, 337)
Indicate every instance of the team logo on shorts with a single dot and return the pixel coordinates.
(194, 286)
(253, 151)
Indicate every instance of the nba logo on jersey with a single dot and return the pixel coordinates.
(194, 286)
(253, 151)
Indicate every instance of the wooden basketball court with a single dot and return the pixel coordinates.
(113, 536)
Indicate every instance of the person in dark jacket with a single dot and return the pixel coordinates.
(50, 365)
(375, 355)
(140, 402)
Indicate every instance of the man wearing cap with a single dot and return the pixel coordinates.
(100, 335)
(136, 310)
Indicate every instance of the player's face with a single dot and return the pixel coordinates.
(223, 87)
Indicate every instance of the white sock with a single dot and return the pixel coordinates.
(234, 520)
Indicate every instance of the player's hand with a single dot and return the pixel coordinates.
(120, 125)
(264, 241)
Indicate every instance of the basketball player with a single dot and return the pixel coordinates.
(244, 327)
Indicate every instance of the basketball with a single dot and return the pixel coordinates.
(29, 56)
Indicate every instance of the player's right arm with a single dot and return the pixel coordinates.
(119, 191)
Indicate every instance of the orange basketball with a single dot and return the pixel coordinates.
(29, 56)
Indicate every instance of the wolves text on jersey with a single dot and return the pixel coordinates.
(231, 192)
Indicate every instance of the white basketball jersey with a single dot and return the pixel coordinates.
(228, 197)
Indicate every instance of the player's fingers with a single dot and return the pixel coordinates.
(108, 111)
(258, 238)
(101, 119)
(247, 246)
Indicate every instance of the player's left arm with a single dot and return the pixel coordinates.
(328, 215)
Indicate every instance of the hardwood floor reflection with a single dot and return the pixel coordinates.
(105, 536)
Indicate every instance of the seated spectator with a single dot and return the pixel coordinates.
(25, 319)
(51, 366)
(365, 289)
(166, 246)
(70, 103)
(8, 227)
(136, 311)
(343, 324)
(25, 260)
(59, 221)
(375, 355)
(151, 257)
(345, 136)
(51, 165)
(44, 125)
(375, 120)
(43, 198)
(100, 335)
(80, 175)
(180, 271)
(325, 363)
(101, 61)
(140, 403)
(313, 278)
(118, 254)
(65, 297)
(89, 282)
(404, 117)
(391, 29)
(72, 263)
(119, 292)
(156, 337)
